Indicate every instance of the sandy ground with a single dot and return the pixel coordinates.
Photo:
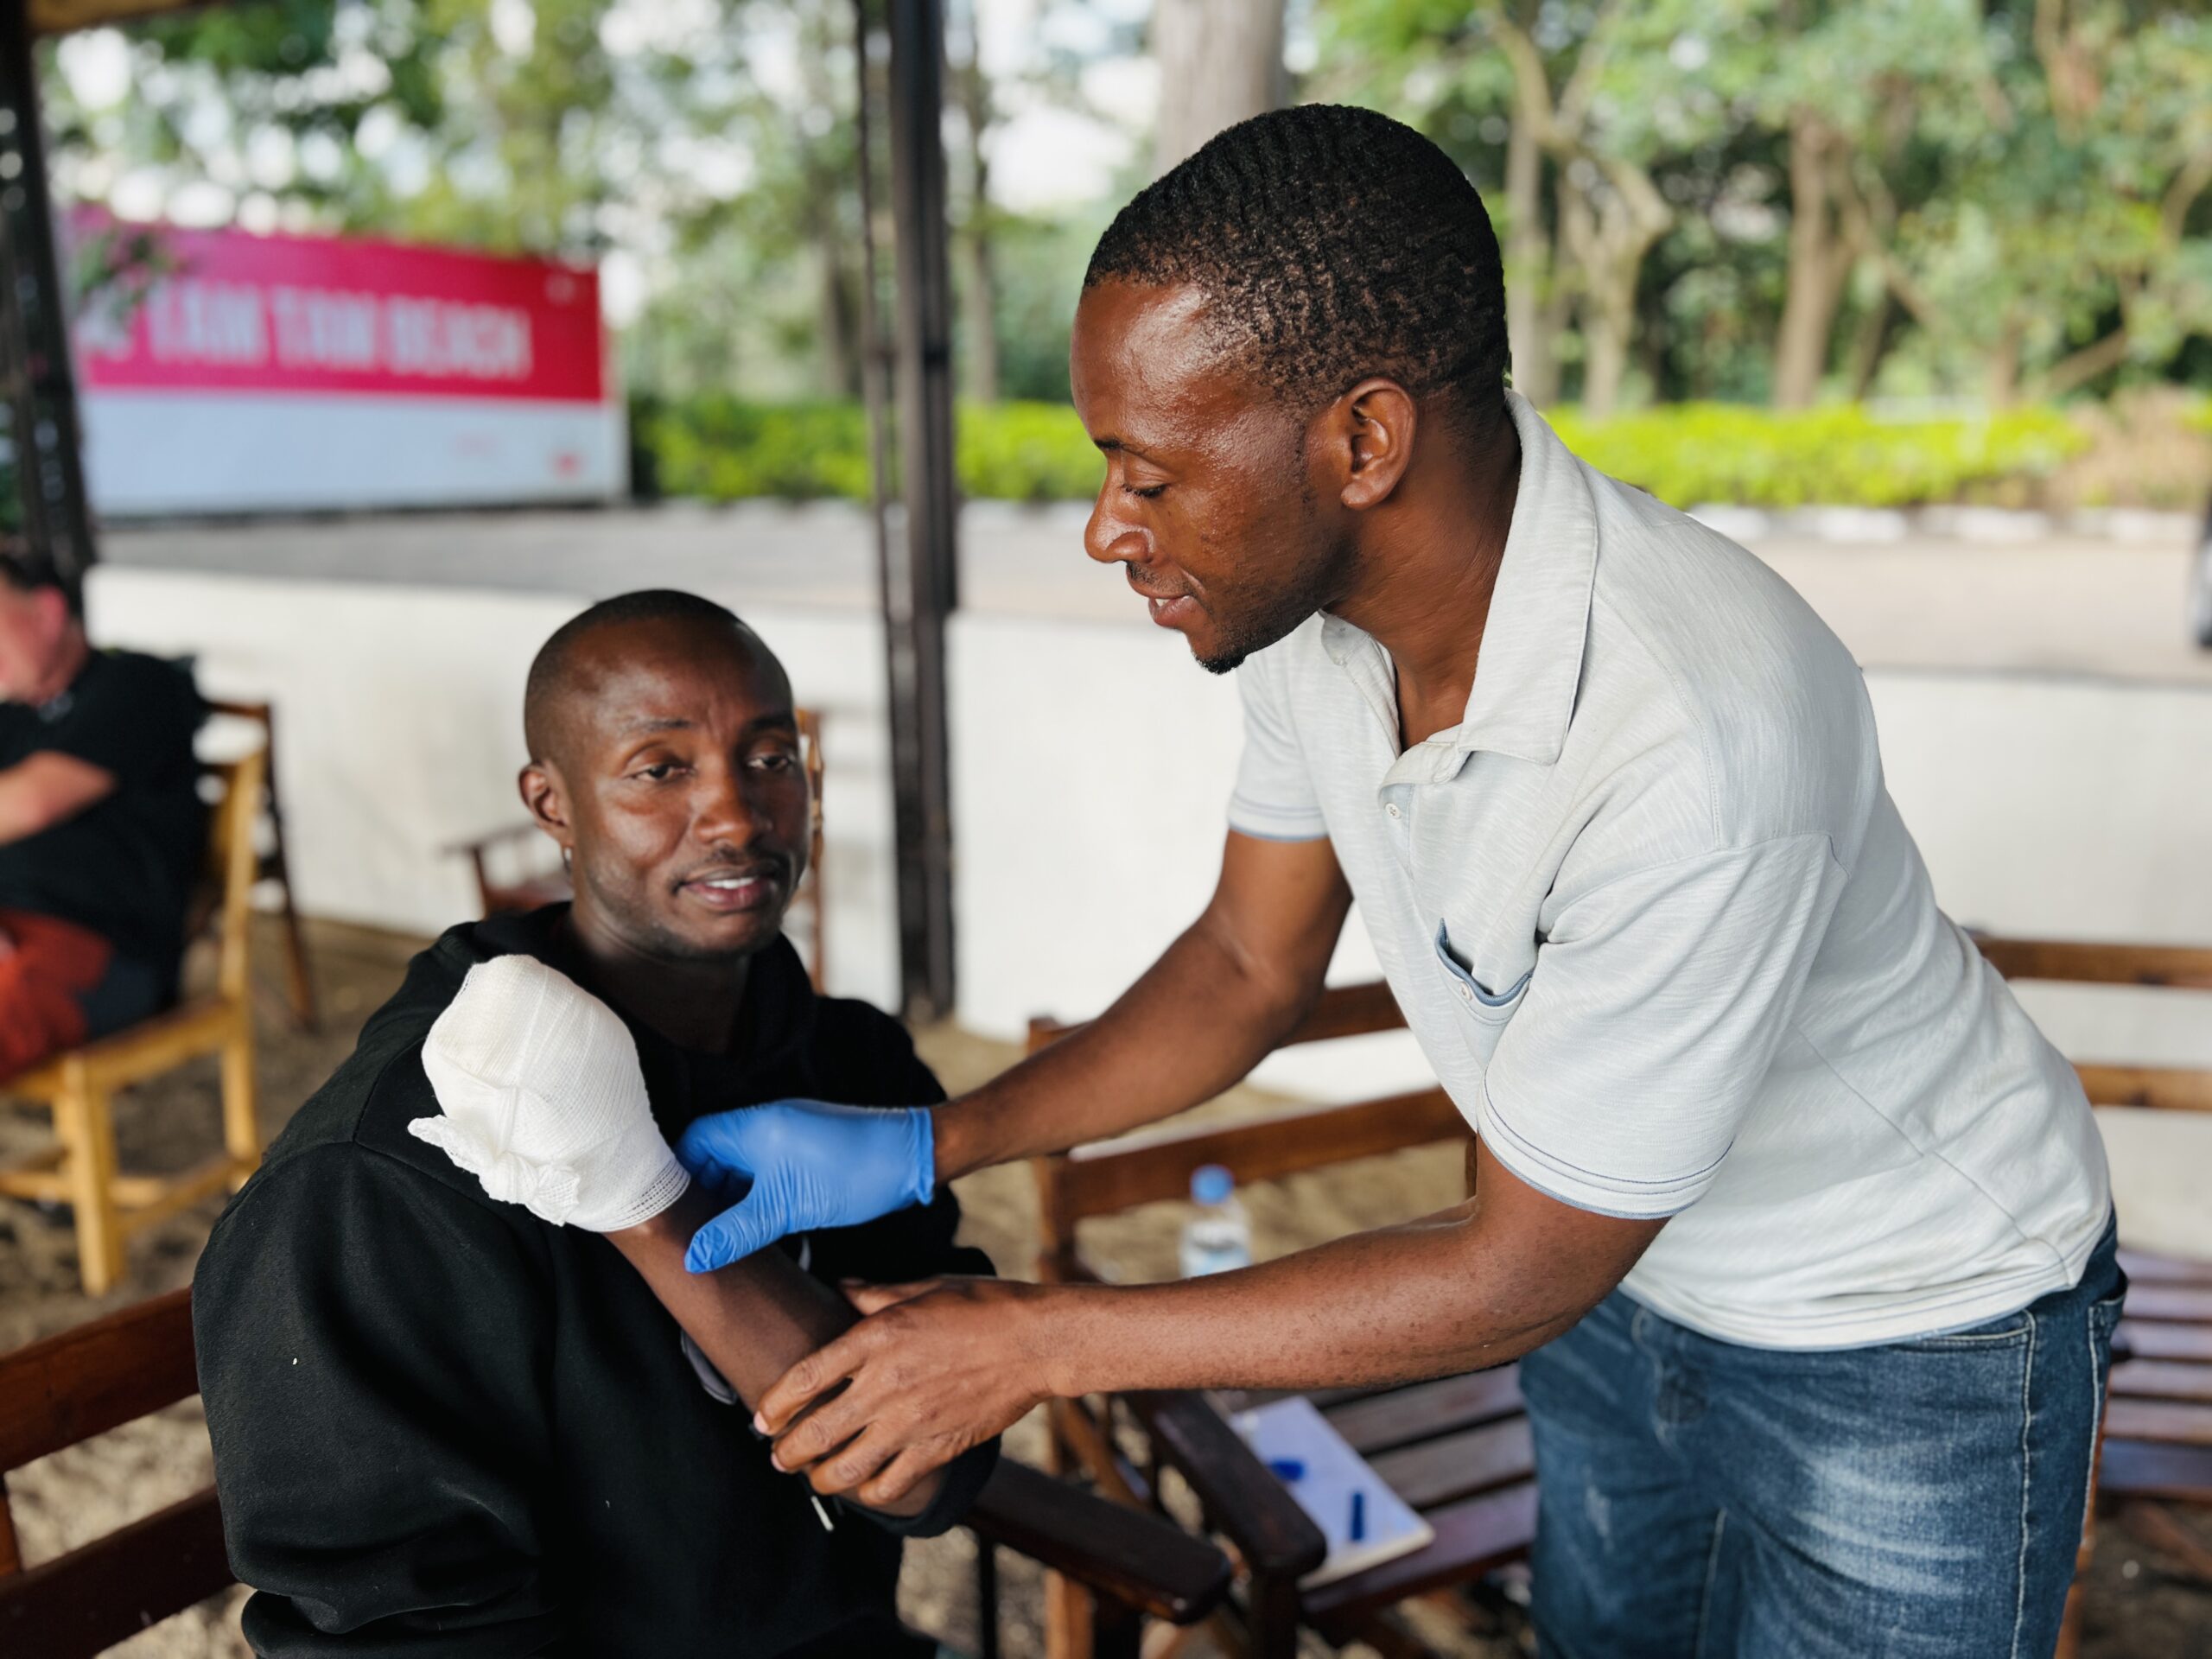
(2138, 1607)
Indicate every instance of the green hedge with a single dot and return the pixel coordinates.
(1687, 454)
(1841, 454)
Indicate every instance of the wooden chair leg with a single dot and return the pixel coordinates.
(1068, 1627)
(241, 1128)
(81, 1119)
(298, 985)
(1274, 1618)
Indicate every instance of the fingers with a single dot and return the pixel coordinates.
(874, 1299)
(710, 1152)
(755, 1222)
(817, 1433)
(823, 1369)
(854, 1463)
(898, 1478)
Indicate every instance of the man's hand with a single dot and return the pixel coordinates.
(809, 1165)
(934, 1368)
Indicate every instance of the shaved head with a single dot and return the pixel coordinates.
(569, 670)
(666, 762)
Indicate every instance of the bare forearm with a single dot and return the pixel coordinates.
(1445, 1295)
(753, 1319)
(1193, 1025)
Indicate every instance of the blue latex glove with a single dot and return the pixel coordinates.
(810, 1165)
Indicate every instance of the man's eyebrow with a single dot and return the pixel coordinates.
(656, 723)
(783, 719)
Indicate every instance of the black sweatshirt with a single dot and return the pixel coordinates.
(444, 1426)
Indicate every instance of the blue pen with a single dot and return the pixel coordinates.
(1358, 1528)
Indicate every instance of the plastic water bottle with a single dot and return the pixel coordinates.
(1218, 1235)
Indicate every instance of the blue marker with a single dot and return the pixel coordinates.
(1358, 1528)
(1286, 1469)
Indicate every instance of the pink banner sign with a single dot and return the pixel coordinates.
(229, 311)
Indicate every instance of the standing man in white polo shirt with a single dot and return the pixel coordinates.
(1803, 1229)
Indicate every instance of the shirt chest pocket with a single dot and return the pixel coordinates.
(1483, 1011)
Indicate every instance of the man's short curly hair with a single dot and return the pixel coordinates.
(1331, 243)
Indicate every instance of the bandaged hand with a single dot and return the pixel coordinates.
(543, 1100)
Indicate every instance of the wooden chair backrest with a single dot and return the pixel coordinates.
(225, 902)
(1147, 1168)
(2186, 968)
(66, 1390)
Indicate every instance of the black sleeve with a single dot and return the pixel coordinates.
(369, 1346)
(910, 1243)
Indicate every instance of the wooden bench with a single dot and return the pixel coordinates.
(2158, 1441)
(84, 1381)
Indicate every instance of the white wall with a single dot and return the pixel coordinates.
(1092, 763)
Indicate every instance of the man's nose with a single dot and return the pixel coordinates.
(1110, 538)
(726, 813)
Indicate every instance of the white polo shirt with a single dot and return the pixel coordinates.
(1656, 923)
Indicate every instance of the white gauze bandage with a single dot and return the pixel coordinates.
(544, 1101)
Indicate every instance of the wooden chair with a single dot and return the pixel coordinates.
(82, 1383)
(2157, 1434)
(78, 1086)
(1458, 1449)
(270, 864)
(508, 879)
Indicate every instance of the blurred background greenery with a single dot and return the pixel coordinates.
(1768, 251)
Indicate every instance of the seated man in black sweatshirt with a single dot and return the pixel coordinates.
(443, 1425)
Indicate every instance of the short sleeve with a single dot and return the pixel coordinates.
(1656, 1007)
(1274, 798)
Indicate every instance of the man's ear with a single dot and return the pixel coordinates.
(53, 613)
(1372, 430)
(546, 799)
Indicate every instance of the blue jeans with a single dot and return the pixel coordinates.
(1700, 1498)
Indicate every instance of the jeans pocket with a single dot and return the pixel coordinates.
(2011, 1331)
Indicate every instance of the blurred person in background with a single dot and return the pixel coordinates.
(101, 823)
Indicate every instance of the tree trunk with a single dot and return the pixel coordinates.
(1220, 62)
(1529, 330)
(2001, 371)
(1871, 343)
(979, 307)
(1609, 226)
(841, 363)
(1820, 257)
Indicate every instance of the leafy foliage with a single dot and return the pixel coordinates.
(723, 448)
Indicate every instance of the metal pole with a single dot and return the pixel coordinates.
(34, 328)
(922, 587)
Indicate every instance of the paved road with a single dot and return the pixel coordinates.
(2057, 604)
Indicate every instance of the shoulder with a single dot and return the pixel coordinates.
(868, 1059)
(358, 1118)
(1700, 655)
(131, 681)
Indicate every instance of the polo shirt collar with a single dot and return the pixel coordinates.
(1531, 664)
